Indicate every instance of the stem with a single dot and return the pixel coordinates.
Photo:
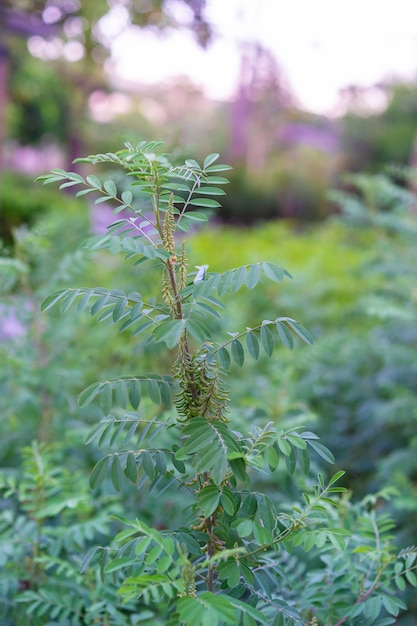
(184, 208)
(374, 585)
(132, 221)
(281, 537)
(179, 315)
(177, 298)
(211, 545)
(40, 348)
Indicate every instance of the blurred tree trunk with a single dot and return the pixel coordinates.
(241, 112)
(3, 100)
(257, 110)
(3, 91)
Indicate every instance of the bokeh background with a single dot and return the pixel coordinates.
(314, 104)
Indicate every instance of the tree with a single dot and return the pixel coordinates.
(75, 38)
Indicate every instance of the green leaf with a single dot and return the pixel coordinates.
(121, 393)
(100, 303)
(300, 331)
(99, 472)
(51, 300)
(304, 460)
(216, 180)
(321, 451)
(372, 607)
(400, 582)
(243, 527)
(94, 182)
(119, 563)
(391, 605)
(166, 395)
(83, 192)
(208, 500)
(228, 500)
(211, 191)
(143, 326)
(274, 272)
(237, 352)
(134, 393)
(210, 443)
(111, 188)
(296, 441)
(252, 276)
(217, 168)
(82, 305)
(267, 339)
(195, 217)
(154, 392)
(106, 398)
(290, 461)
(207, 609)
(238, 467)
(131, 470)
(279, 620)
(285, 335)
(127, 197)
(229, 570)
(69, 299)
(224, 358)
(148, 465)
(411, 577)
(272, 457)
(262, 535)
(192, 163)
(169, 332)
(116, 473)
(252, 344)
(115, 245)
(186, 539)
(238, 279)
(223, 282)
(88, 395)
(208, 309)
(160, 462)
(284, 446)
(209, 160)
(336, 477)
(207, 203)
(198, 330)
(151, 588)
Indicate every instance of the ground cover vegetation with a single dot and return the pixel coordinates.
(203, 495)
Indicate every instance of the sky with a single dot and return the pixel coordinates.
(322, 46)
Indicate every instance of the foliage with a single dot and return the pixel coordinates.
(42, 532)
(22, 203)
(364, 385)
(291, 184)
(41, 373)
(49, 95)
(39, 100)
(226, 561)
(374, 139)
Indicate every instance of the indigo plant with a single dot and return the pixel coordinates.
(227, 558)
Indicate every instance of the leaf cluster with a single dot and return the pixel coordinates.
(226, 560)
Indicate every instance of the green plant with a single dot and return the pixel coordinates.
(43, 532)
(224, 561)
(369, 387)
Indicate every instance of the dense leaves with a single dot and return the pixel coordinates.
(216, 519)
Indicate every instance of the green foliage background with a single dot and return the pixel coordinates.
(354, 283)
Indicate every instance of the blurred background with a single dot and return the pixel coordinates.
(291, 94)
(314, 104)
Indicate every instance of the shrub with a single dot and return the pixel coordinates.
(227, 560)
